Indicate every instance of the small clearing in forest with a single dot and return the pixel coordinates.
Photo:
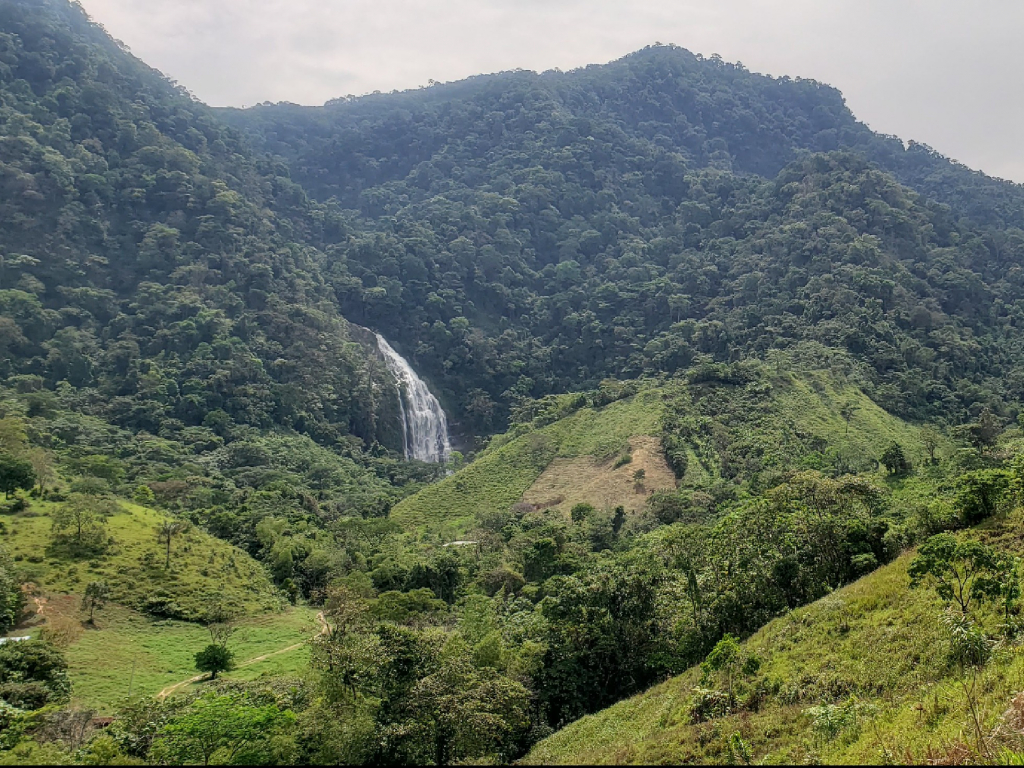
(567, 482)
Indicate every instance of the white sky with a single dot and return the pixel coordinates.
(945, 72)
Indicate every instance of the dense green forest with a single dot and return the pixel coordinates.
(524, 234)
(714, 351)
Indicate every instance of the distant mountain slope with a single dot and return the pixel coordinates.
(150, 260)
(733, 430)
(525, 234)
(712, 112)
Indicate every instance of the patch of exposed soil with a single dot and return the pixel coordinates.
(567, 482)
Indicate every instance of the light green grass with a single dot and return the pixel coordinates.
(812, 403)
(203, 569)
(498, 479)
(778, 421)
(125, 648)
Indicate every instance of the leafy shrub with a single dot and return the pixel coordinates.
(623, 460)
(708, 704)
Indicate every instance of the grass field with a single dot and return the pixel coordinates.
(203, 569)
(133, 630)
(124, 648)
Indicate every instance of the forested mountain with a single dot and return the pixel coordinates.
(525, 234)
(722, 351)
(150, 261)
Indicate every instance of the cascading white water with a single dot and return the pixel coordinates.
(423, 421)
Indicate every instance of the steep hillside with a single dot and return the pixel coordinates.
(714, 113)
(204, 575)
(726, 429)
(721, 359)
(862, 676)
(151, 262)
(524, 235)
(500, 476)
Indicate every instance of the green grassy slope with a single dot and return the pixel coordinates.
(204, 572)
(778, 421)
(785, 420)
(501, 475)
(125, 650)
(203, 569)
(875, 647)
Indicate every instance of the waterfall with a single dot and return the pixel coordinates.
(424, 424)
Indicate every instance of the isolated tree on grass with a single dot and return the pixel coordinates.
(932, 439)
(963, 573)
(215, 658)
(81, 521)
(15, 474)
(847, 411)
(96, 595)
(42, 466)
(638, 479)
(895, 461)
(165, 533)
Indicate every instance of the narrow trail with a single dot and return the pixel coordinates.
(254, 660)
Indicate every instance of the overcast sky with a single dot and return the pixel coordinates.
(945, 72)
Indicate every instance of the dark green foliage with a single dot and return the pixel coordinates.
(532, 234)
(143, 268)
(234, 726)
(603, 639)
(173, 326)
(15, 474)
(580, 512)
(11, 597)
(405, 607)
(981, 494)
(215, 658)
(983, 433)
(895, 460)
(32, 674)
(618, 519)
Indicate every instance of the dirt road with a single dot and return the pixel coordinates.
(248, 662)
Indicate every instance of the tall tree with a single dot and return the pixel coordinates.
(165, 534)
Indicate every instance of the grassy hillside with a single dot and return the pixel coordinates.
(778, 420)
(500, 477)
(125, 650)
(140, 628)
(738, 426)
(203, 570)
(873, 654)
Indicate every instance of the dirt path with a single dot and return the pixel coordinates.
(255, 660)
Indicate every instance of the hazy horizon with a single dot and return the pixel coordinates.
(931, 71)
